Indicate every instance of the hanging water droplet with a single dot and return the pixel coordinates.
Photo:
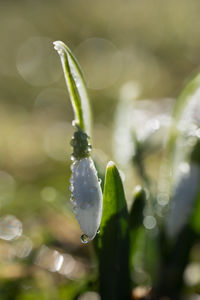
(98, 231)
(99, 180)
(84, 239)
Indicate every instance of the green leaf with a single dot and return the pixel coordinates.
(76, 86)
(137, 208)
(143, 242)
(137, 230)
(184, 110)
(185, 96)
(195, 218)
(185, 153)
(137, 236)
(113, 242)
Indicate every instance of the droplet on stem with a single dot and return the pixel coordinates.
(72, 157)
(74, 123)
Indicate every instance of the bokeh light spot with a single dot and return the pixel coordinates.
(99, 56)
(10, 228)
(37, 62)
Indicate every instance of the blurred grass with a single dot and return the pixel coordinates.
(155, 43)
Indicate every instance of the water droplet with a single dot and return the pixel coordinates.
(74, 123)
(72, 200)
(60, 52)
(98, 231)
(99, 180)
(84, 239)
(71, 188)
(77, 81)
(73, 157)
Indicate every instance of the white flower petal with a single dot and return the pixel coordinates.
(87, 195)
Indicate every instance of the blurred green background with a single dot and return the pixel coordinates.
(153, 43)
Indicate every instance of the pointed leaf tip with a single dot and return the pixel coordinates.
(111, 164)
(114, 239)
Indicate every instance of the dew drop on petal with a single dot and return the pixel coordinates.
(71, 188)
(84, 238)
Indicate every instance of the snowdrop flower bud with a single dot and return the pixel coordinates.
(85, 187)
